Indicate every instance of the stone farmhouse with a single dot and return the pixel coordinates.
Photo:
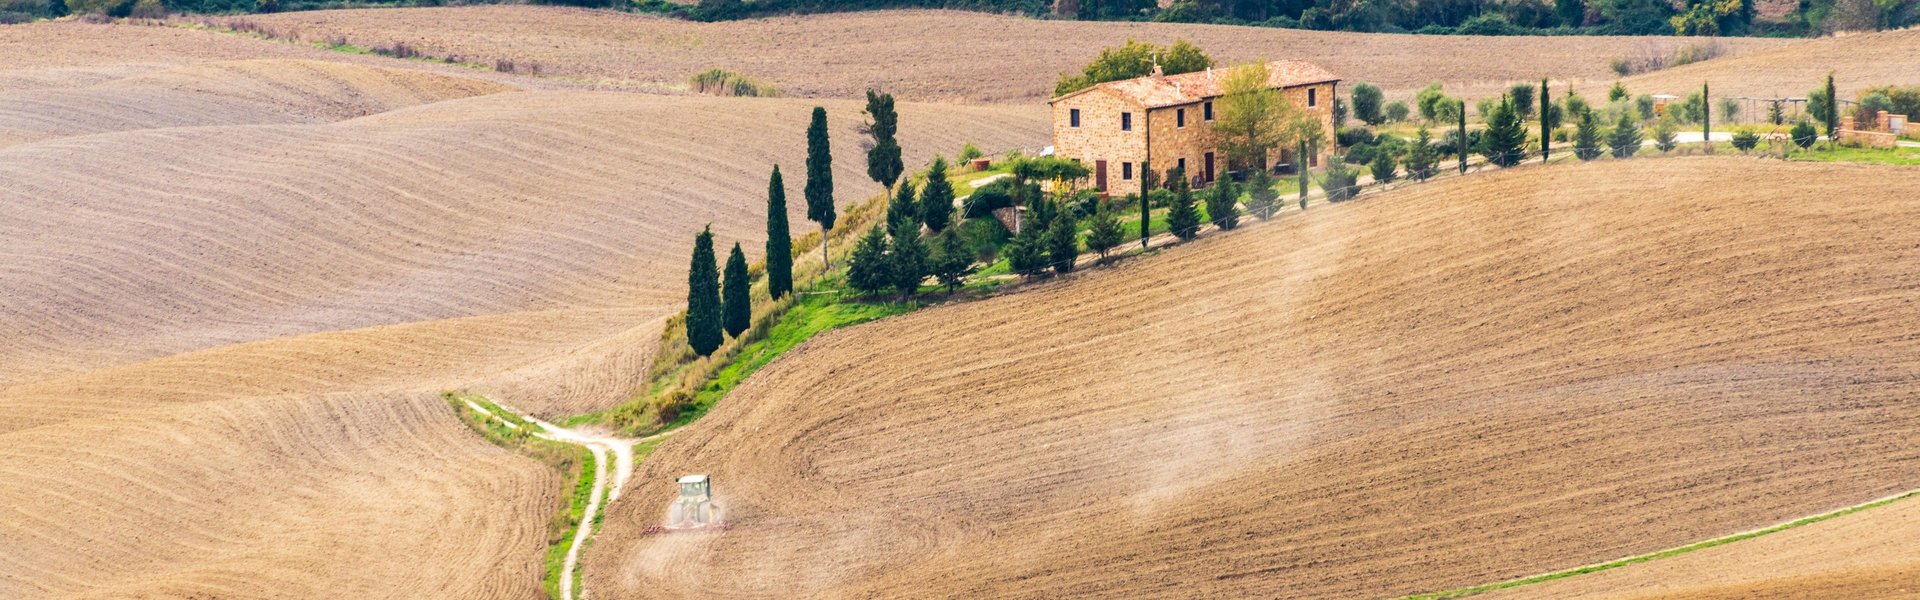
(1167, 119)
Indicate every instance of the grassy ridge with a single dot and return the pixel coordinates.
(514, 432)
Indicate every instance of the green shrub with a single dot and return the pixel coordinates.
(1339, 180)
(1804, 134)
(1384, 168)
(1746, 140)
(1397, 111)
(722, 82)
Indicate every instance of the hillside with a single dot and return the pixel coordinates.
(1452, 384)
(943, 56)
(1857, 61)
(230, 325)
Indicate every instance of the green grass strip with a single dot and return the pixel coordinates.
(814, 314)
(1656, 555)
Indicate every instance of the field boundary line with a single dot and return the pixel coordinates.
(1659, 554)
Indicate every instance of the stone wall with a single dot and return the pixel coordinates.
(1099, 136)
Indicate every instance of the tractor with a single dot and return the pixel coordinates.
(693, 510)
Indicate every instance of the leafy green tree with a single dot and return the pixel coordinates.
(1521, 94)
(1397, 111)
(57, 9)
(1586, 139)
(1384, 168)
(1504, 137)
(1253, 118)
(1421, 156)
(820, 178)
(1572, 13)
(704, 331)
(736, 302)
(903, 212)
(1617, 93)
(1367, 100)
(1135, 59)
(883, 157)
(779, 241)
(1339, 180)
(1804, 134)
(1625, 139)
(1261, 197)
(1223, 205)
(1643, 104)
(1664, 137)
(936, 200)
(907, 261)
(869, 271)
(954, 260)
(1573, 106)
(1027, 253)
(1433, 104)
(1063, 245)
(1183, 219)
(1746, 141)
(968, 152)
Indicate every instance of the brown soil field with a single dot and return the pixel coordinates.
(1857, 61)
(944, 56)
(1864, 555)
(229, 321)
(1456, 383)
(244, 92)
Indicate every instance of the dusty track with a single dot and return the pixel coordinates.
(1459, 383)
(943, 55)
(227, 340)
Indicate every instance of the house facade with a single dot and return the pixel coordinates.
(1116, 127)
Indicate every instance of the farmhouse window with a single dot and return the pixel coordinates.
(1126, 121)
(1206, 110)
(1179, 118)
(1073, 117)
(1126, 171)
(1182, 166)
(1313, 98)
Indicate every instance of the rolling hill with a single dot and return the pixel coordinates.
(1458, 383)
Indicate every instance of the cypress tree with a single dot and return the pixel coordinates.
(1027, 253)
(1706, 117)
(1586, 140)
(904, 211)
(703, 297)
(1146, 196)
(1183, 219)
(736, 302)
(1062, 244)
(820, 178)
(1546, 135)
(1625, 138)
(1383, 167)
(936, 199)
(779, 242)
(1462, 150)
(1222, 205)
(907, 260)
(1302, 166)
(1832, 116)
(867, 270)
(883, 159)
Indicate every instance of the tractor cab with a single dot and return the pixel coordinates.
(695, 488)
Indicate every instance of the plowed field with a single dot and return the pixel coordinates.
(1457, 383)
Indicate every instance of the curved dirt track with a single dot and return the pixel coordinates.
(227, 341)
(247, 92)
(944, 55)
(1458, 383)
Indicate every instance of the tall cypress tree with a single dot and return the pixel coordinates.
(820, 178)
(779, 242)
(904, 211)
(1301, 164)
(737, 303)
(1463, 136)
(1546, 136)
(1706, 117)
(936, 199)
(1183, 219)
(883, 159)
(703, 297)
(1833, 112)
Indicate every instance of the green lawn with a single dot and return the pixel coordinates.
(1894, 156)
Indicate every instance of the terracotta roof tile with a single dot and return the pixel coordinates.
(1187, 88)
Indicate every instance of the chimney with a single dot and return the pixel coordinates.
(1157, 72)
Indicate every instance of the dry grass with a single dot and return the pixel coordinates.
(947, 56)
(1458, 383)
